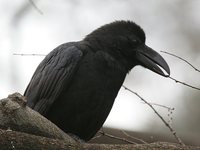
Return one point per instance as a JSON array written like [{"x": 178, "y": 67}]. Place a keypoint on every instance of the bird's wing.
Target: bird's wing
[{"x": 52, "y": 75}]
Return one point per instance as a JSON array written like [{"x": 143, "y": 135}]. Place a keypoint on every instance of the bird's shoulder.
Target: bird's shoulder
[
  {"x": 99, "y": 56},
  {"x": 64, "y": 53}
]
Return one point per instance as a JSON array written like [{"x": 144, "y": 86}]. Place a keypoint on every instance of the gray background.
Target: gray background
[{"x": 172, "y": 26}]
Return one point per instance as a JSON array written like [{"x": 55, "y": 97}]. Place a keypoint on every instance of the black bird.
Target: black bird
[{"x": 76, "y": 83}]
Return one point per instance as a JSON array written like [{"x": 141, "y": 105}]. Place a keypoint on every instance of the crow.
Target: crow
[{"x": 76, "y": 84}]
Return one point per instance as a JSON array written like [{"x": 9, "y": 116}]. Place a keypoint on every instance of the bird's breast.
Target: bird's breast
[{"x": 83, "y": 106}]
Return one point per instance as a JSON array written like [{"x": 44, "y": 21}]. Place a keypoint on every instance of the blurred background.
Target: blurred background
[{"x": 172, "y": 26}]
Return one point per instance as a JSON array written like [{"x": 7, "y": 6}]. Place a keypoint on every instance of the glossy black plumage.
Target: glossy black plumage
[{"x": 76, "y": 84}]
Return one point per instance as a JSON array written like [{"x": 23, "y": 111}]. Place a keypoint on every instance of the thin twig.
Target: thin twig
[
  {"x": 116, "y": 137},
  {"x": 29, "y": 54},
  {"x": 177, "y": 81},
  {"x": 134, "y": 138},
  {"x": 167, "y": 107},
  {"x": 182, "y": 60},
  {"x": 163, "y": 120},
  {"x": 35, "y": 6},
  {"x": 97, "y": 136}
]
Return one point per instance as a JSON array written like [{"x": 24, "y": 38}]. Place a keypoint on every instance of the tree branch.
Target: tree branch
[
  {"x": 182, "y": 60},
  {"x": 24, "y": 129},
  {"x": 163, "y": 120},
  {"x": 183, "y": 83},
  {"x": 35, "y": 6},
  {"x": 23, "y": 141}
]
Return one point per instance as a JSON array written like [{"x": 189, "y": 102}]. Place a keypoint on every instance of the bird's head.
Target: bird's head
[{"x": 125, "y": 41}]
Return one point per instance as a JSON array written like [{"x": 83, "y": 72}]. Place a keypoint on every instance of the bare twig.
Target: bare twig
[
  {"x": 170, "y": 116},
  {"x": 103, "y": 133},
  {"x": 115, "y": 137},
  {"x": 177, "y": 81},
  {"x": 35, "y": 6},
  {"x": 167, "y": 107},
  {"x": 163, "y": 120},
  {"x": 29, "y": 54},
  {"x": 134, "y": 138},
  {"x": 182, "y": 60},
  {"x": 97, "y": 136}
]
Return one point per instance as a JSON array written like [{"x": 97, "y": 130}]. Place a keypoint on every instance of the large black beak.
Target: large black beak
[{"x": 150, "y": 59}]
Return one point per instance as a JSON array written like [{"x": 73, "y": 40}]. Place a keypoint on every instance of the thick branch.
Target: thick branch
[
  {"x": 23, "y": 141},
  {"x": 24, "y": 129},
  {"x": 15, "y": 115},
  {"x": 19, "y": 140}
]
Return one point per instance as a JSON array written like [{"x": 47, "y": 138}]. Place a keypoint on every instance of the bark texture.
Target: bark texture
[{"x": 24, "y": 129}]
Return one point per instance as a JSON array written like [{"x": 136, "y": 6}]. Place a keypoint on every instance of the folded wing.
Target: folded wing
[{"x": 53, "y": 75}]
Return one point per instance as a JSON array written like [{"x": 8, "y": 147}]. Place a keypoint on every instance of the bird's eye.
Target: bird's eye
[{"x": 134, "y": 41}]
